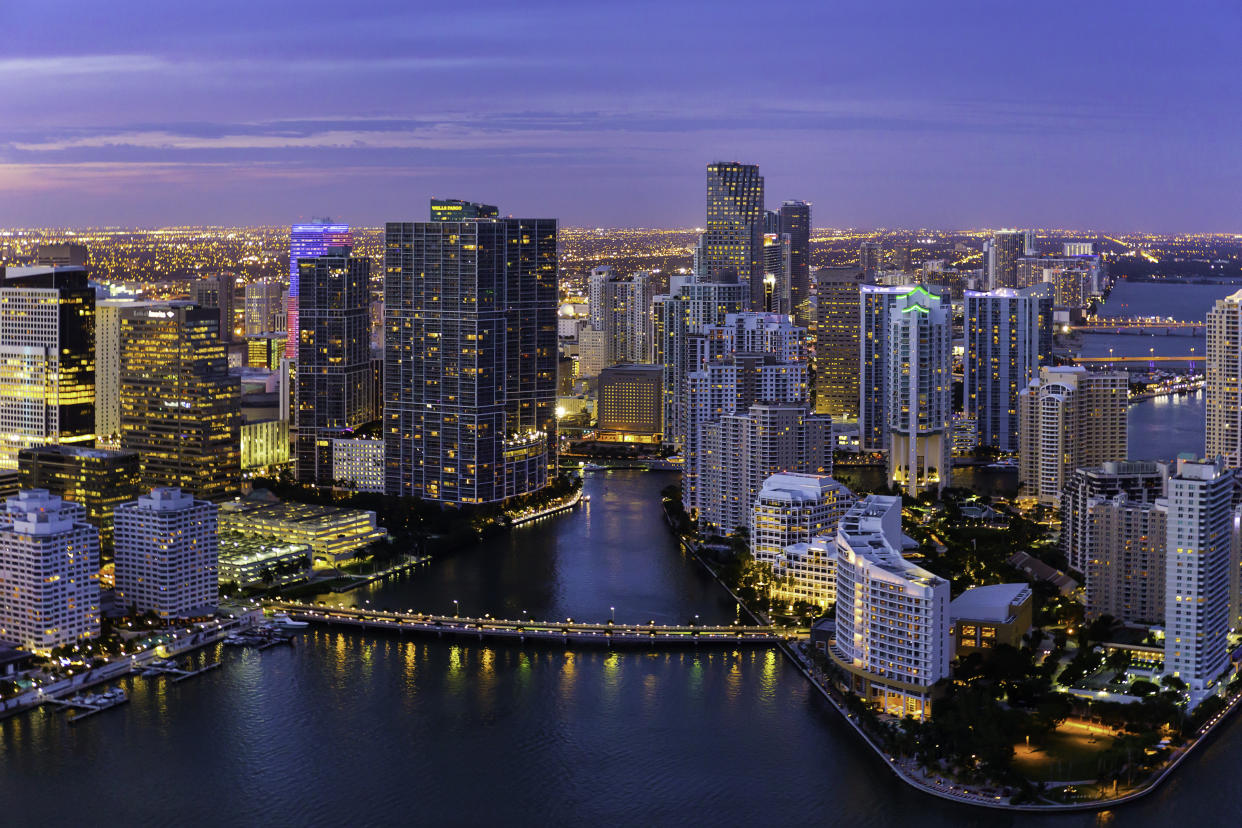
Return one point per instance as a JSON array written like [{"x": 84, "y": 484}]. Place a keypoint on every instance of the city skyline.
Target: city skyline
[{"x": 880, "y": 116}]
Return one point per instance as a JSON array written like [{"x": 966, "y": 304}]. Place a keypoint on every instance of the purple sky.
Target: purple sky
[{"x": 1093, "y": 114}]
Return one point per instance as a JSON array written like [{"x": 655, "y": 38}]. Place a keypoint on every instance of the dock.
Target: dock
[
  {"x": 90, "y": 704},
  {"x": 178, "y": 673},
  {"x": 568, "y": 632}
]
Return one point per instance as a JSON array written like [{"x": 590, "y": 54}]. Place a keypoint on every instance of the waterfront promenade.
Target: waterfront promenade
[{"x": 606, "y": 634}]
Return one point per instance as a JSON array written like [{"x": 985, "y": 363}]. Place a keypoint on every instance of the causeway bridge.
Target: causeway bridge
[{"x": 568, "y": 632}]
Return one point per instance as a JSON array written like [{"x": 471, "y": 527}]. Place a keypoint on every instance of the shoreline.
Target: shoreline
[{"x": 979, "y": 800}]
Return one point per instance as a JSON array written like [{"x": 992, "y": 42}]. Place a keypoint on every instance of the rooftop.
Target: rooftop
[{"x": 989, "y": 603}]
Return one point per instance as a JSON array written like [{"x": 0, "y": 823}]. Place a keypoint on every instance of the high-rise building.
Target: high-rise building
[
  {"x": 920, "y": 393},
  {"x": 870, "y": 257},
  {"x": 49, "y": 573},
  {"x": 470, "y": 358},
  {"x": 167, "y": 551},
  {"x": 879, "y": 305},
  {"x": 1069, "y": 418},
  {"x": 97, "y": 479},
  {"x": 693, "y": 304},
  {"x": 733, "y": 243},
  {"x": 795, "y": 508},
  {"x": 265, "y": 311},
  {"x": 1223, "y": 387},
  {"x": 629, "y": 403},
  {"x": 306, "y": 241},
  {"x": 180, "y": 407},
  {"x": 620, "y": 308},
  {"x": 892, "y": 636},
  {"x": 108, "y": 369},
  {"x": 1002, "y": 355},
  {"x": 740, "y": 451},
  {"x": 1197, "y": 576},
  {"x": 837, "y": 292},
  {"x": 64, "y": 254},
  {"x": 334, "y": 357},
  {"x": 47, "y": 359},
  {"x": 777, "y": 292},
  {"x": 1127, "y": 546},
  {"x": 749, "y": 358},
  {"x": 1141, "y": 483},
  {"x": 796, "y": 223},
  {"x": 1000, "y": 258},
  {"x": 218, "y": 292},
  {"x": 454, "y": 209}
]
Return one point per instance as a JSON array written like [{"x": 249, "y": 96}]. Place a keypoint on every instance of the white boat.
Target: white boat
[
  {"x": 282, "y": 619},
  {"x": 592, "y": 467}
]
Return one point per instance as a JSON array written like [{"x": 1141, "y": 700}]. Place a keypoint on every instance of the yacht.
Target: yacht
[{"x": 282, "y": 619}]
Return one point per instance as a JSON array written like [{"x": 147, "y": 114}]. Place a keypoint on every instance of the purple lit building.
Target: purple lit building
[{"x": 308, "y": 241}]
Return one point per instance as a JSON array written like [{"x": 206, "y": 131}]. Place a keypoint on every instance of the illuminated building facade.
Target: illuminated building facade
[
  {"x": 108, "y": 369},
  {"x": 629, "y": 407},
  {"x": 180, "y": 408},
  {"x": 838, "y": 291},
  {"x": 264, "y": 310},
  {"x": 893, "y": 639},
  {"x": 1000, "y": 258},
  {"x": 920, "y": 389},
  {"x": 167, "y": 554},
  {"x": 47, "y": 359},
  {"x": 49, "y": 572},
  {"x": 620, "y": 308},
  {"x": 358, "y": 464},
  {"x": 219, "y": 292},
  {"x": 733, "y": 243},
  {"x": 334, "y": 380},
  {"x": 97, "y": 479},
  {"x": 1002, "y": 355},
  {"x": 1223, "y": 387},
  {"x": 470, "y": 358},
  {"x": 1069, "y": 418},
  {"x": 454, "y": 209},
  {"x": 306, "y": 241}
]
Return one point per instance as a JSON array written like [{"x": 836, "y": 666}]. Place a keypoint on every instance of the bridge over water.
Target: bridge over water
[{"x": 606, "y": 634}]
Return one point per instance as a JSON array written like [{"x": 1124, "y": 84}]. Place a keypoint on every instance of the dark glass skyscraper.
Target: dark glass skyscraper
[
  {"x": 47, "y": 358},
  {"x": 334, "y": 378},
  {"x": 470, "y": 358},
  {"x": 305, "y": 241},
  {"x": 180, "y": 407},
  {"x": 796, "y": 223},
  {"x": 454, "y": 209},
  {"x": 733, "y": 243}
]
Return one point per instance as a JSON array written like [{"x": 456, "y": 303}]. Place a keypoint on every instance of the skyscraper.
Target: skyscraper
[
  {"x": 878, "y": 306},
  {"x": 180, "y": 407},
  {"x": 1000, "y": 258},
  {"x": 837, "y": 292},
  {"x": 777, "y": 291},
  {"x": 265, "y": 308},
  {"x": 167, "y": 549},
  {"x": 620, "y": 308},
  {"x": 454, "y": 209},
  {"x": 334, "y": 357},
  {"x": 1140, "y": 482},
  {"x": 920, "y": 392},
  {"x": 733, "y": 243},
  {"x": 49, "y": 572},
  {"x": 1223, "y": 397},
  {"x": 1002, "y": 355},
  {"x": 47, "y": 359},
  {"x": 693, "y": 304},
  {"x": 219, "y": 292},
  {"x": 1197, "y": 577},
  {"x": 796, "y": 223},
  {"x": 306, "y": 240},
  {"x": 1069, "y": 418},
  {"x": 108, "y": 369},
  {"x": 470, "y": 358}
]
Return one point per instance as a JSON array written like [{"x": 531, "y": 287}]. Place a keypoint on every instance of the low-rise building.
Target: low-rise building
[
  {"x": 358, "y": 464},
  {"x": 247, "y": 560},
  {"x": 334, "y": 533},
  {"x": 987, "y": 616}
]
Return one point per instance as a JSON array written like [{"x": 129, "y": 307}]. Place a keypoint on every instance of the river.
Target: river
[{"x": 371, "y": 729}]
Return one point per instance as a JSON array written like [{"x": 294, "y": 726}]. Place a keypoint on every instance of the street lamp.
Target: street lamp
[
  {"x": 612, "y": 613},
  {"x": 454, "y": 607}
]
